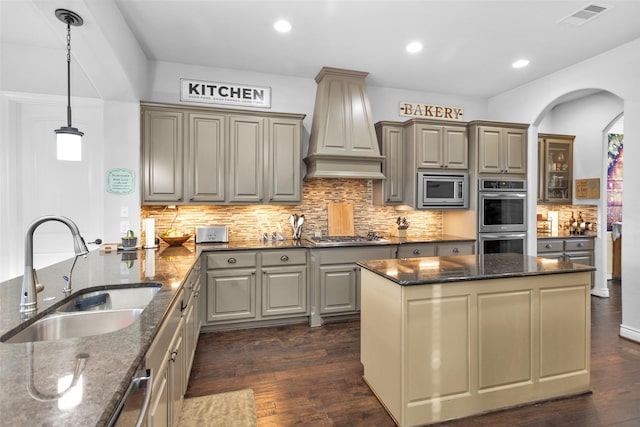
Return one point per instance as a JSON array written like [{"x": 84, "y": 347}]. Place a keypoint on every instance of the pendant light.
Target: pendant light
[{"x": 68, "y": 138}]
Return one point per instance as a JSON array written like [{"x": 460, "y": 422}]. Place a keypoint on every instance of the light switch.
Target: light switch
[
  {"x": 124, "y": 226},
  {"x": 124, "y": 211}
]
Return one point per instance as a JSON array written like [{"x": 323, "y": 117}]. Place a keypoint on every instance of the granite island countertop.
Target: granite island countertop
[
  {"x": 431, "y": 270},
  {"x": 113, "y": 357}
]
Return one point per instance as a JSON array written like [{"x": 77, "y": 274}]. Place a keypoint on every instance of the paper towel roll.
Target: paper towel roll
[
  {"x": 150, "y": 263},
  {"x": 150, "y": 233}
]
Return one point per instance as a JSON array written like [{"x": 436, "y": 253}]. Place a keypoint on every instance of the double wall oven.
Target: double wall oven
[{"x": 502, "y": 216}]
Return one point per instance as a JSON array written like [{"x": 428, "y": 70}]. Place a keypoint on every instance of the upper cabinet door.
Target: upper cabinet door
[
  {"x": 162, "y": 144},
  {"x": 205, "y": 159},
  {"x": 429, "y": 146},
  {"x": 455, "y": 148},
  {"x": 246, "y": 161},
  {"x": 489, "y": 150},
  {"x": 515, "y": 151},
  {"x": 283, "y": 160}
]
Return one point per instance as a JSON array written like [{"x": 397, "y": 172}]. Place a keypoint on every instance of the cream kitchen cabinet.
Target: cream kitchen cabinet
[
  {"x": 335, "y": 278},
  {"x": 284, "y": 283},
  {"x": 437, "y": 146},
  {"x": 391, "y": 141},
  {"x": 231, "y": 286},
  {"x": 217, "y": 156},
  {"x": 166, "y": 359},
  {"x": 501, "y": 148},
  {"x": 256, "y": 286},
  {"x": 415, "y": 250},
  {"x": 579, "y": 250}
]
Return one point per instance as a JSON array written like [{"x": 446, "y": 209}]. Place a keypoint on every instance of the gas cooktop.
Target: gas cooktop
[{"x": 369, "y": 239}]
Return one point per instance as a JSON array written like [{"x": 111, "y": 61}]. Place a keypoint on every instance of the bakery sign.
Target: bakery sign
[
  {"x": 429, "y": 111},
  {"x": 225, "y": 93}
]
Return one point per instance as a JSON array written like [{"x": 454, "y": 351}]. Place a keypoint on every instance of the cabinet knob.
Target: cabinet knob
[
  {"x": 284, "y": 258},
  {"x": 580, "y": 244},
  {"x": 232, "y": 260},
  {"x": 416, "y": 251},
  {"x": 455, "y": 250},
  {"x": 548, "y": 246}
]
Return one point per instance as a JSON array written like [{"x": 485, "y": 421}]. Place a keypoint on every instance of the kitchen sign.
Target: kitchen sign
[
  {"x": 225, "y": 93},
  {"x": 429, "y": 111}
]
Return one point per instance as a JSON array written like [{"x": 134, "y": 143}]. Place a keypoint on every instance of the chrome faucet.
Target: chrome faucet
[{"x": 30, "y": 287}]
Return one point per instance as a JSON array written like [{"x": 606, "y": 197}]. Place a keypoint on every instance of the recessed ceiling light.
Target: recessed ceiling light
[
  {"x": 282, "y": 26},
  {"x": 414, "y": 47},
  {"x": 520, "y": 63}
]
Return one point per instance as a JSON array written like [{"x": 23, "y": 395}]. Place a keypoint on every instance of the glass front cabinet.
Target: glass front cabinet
[{"x": 555, "y": 171}]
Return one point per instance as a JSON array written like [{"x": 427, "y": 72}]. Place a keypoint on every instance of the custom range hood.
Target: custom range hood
[{"x": 343, "y": 141}]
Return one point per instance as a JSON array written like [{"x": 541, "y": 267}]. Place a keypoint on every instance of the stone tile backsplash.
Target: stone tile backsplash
[{"x": 248, "y": 222}]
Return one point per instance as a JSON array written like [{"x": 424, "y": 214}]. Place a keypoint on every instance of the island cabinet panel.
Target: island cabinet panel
[
  {"x": 449, "y": 340},
  {"x": 504, "y": 339},
  {"x": 564, "y": 343},
  {"x": 438, "y": 351}
]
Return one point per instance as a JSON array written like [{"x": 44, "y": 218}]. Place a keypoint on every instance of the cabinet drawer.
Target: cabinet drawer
[
  {"x": 231, "y": 260},
  {"x": 417, "y": 250},
  {"x": 287, "y": 257},
  {"x": 445, "y": 249},
  {"x": 550, "y": 245},
  {"x": 578, "y": 245}
]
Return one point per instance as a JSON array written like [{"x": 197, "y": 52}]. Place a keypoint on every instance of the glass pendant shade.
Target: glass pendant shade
[{"x": 69, "y": 144}]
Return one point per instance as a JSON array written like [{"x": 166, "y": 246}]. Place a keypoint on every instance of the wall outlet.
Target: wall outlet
[
  {"x": 124, "y": 226},
  {"x": 124, "y": 211}
]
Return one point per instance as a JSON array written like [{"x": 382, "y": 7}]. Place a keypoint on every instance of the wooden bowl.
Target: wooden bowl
[{"x": 175, "y": 241}]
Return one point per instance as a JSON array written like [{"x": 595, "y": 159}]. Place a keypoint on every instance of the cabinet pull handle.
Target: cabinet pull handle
[
  {"x": 284, "y": 258},
  {"x": 548, "y": 246},
  {"x": 580, "y": 244},
  {"x": 416, "y": 251},
  {"x": 232, "y": 260},
  {"x": 174, "y": 353},
  {"x": 455, "y": 250},
  {"x": 182, "y": 306}
]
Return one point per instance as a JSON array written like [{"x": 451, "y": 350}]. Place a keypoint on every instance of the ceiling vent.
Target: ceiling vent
[{"x": 585, "y": 14}]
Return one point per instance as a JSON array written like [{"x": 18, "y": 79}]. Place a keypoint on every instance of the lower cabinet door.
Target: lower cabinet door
[
  {"x": 159, "y": 409},
  {"x": 338, "y": 288},
  {"x": 231, "y": 294},
  {"x": 284, "y": 291}
]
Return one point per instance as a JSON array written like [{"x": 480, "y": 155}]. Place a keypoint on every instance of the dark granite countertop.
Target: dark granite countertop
[
  {"x": 430, "y": 270},
  {"x": 113, "y": 357}
]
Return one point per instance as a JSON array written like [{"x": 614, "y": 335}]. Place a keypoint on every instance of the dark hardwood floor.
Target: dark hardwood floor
[{"x": 313, "y": 377}]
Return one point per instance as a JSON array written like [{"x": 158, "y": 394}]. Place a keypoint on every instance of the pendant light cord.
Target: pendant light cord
[{"x": 68, "y": 73}]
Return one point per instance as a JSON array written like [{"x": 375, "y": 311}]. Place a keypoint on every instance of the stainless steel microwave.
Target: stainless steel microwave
[{"x": 442, "y": 191}]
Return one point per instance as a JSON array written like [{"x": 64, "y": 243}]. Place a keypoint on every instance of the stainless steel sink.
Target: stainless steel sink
[
  {"x": 113, "y": 299},
  {"x": 90, "y": 313},
  {"x": 60, "y": 326}
]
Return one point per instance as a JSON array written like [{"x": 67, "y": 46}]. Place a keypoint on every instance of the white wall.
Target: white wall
[{"x": 614, "y": 71}]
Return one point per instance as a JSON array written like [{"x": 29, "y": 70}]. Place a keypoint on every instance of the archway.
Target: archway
[{"x": 588, "y": 114}]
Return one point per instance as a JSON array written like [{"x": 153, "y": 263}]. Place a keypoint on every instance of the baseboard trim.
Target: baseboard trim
[{"x": 630, "y": 333}]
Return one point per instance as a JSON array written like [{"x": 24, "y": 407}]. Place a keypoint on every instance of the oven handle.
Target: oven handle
[
  {"x": 504, "y": 195},
  {"x": 485, "y": 236}
]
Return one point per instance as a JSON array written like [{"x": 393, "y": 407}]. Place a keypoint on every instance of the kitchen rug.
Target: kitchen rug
[{"x": 235, "y": 408}]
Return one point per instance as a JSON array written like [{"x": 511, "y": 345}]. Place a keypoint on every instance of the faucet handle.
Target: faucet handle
[
  {"x": 67, "y": 284},
  {"x": 39, "y": 286}
]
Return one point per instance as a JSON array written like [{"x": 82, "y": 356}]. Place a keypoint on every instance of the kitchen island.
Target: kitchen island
[{"x": 449, "y": 337}]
